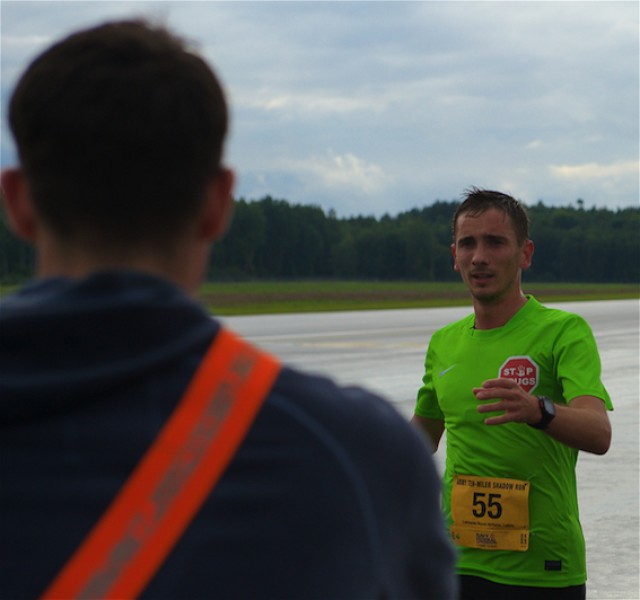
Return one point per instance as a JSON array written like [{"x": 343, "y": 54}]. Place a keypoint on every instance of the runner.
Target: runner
[{"x": 517, "y": 388}]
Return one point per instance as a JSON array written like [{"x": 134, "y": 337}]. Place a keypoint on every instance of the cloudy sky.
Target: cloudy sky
[{"x": 369, "y": 108}]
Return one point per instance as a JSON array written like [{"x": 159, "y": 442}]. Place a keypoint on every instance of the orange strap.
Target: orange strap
[{"x": 161, "y": 497}]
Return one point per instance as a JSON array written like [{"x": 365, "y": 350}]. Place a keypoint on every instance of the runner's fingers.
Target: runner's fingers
[
  {"x": 493, "y": 407},
  {"x": 499, "y": 420},
  {"x": 497, "y": 392}
]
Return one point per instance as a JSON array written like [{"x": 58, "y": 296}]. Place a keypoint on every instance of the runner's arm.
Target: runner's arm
[
  {"x": 582, "y": 424},
  {"x": 434, "y": 428}
]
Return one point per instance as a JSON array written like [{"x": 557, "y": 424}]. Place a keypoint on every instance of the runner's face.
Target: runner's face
[{"x": 488, "y": 257}]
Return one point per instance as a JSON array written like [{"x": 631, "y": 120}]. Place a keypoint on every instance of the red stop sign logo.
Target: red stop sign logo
[{"x": 522, "y": 370}]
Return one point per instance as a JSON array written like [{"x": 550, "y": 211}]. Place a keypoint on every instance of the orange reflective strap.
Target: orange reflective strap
[{"x": 166, "y": 489}]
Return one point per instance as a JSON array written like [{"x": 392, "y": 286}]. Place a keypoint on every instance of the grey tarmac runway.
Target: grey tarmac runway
[{"x": 384, "y": 351}]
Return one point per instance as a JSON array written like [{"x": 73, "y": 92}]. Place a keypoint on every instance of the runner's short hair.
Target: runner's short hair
[{"x": 476, "y": 201}]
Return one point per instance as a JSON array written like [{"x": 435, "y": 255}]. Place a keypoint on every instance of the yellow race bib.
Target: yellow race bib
[{"x": 490, "y": 513}]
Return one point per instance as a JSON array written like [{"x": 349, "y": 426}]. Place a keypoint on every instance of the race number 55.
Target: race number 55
[{"x": 486, "y": 504}]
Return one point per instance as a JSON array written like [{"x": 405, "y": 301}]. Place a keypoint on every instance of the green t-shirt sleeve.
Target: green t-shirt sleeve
[
  {"x": 427, "y": 403},
  {"x": 578, "y": 366}
]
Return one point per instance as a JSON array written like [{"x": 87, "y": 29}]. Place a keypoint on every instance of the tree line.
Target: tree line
[
  {"x": 274, "y": 239},
  {"x": 271, "y": 238}
]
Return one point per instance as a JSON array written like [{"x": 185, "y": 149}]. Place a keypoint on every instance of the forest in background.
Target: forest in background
[{"x": 273, "y": 239}]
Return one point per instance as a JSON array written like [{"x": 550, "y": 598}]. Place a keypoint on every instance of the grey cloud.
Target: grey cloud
[{"x": 432, "y": 96}]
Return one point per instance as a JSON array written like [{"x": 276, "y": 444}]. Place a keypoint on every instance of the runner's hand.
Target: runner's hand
[{"x": 517, "y": 405}]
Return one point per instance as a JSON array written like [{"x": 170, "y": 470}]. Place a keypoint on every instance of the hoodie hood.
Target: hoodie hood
[{"x": 62, "y": 339}]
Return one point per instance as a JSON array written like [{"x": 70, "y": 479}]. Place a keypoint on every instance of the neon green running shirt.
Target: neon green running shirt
[{"x": 551, "y": 353}]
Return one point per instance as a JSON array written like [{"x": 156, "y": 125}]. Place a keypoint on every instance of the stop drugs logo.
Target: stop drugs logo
[{"x": 523, "y": 370}]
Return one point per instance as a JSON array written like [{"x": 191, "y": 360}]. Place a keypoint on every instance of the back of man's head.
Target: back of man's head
[{"x": 119, "y": 128}]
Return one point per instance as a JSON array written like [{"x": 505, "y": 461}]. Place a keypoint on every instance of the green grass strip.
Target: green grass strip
[{"x": 276, "y": 297}]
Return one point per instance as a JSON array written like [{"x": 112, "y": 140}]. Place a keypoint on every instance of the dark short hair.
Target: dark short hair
[
  {"x": 118, "y": 130},
  {"x": 476, "y": 201}
]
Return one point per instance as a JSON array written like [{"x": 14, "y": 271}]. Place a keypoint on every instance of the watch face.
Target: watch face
[
  {"x": 548, "y": 410},
  {"x": 550, "y": 407}
]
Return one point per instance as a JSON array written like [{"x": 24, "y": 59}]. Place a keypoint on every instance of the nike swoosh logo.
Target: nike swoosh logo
[{"x": 447, "y": 370}]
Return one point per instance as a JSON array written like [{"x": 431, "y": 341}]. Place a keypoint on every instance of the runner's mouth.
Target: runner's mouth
[{"x": 481, "y": 277}]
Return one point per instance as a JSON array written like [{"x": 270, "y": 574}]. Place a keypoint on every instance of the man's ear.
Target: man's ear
[
  {"x": 455, "y": 258},
  {"x": 17, "y": 204},
  {"x": 527, "y": 255},
  {"x": 218, "y": 208}
]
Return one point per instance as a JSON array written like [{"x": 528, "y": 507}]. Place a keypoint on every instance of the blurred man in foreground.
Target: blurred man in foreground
[{"x": 122, "y": 190}]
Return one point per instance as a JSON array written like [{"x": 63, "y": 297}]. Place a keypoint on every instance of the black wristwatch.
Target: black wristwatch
[{"x": 548, "y": 410}]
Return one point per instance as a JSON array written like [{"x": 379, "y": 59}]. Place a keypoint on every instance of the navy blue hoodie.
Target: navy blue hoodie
[{"x": 332, "y": 494}]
